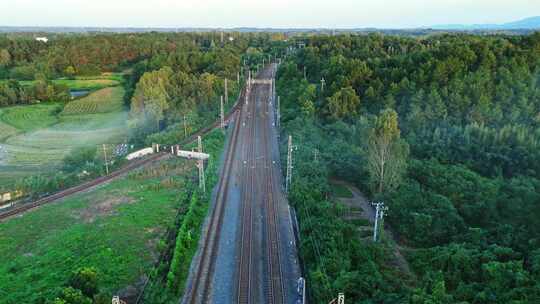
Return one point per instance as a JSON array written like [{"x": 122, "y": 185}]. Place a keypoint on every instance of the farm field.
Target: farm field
[
  {"x": 114, "y": 229},
  {"x": 35, "y": 138},
  {"x": 29, "y": 118},
  {"x": 102, "y": 101},
  {"x": 87, "y": 83}
]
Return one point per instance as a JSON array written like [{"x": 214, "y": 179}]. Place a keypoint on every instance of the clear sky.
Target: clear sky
[{"x": 256, "y": 13}]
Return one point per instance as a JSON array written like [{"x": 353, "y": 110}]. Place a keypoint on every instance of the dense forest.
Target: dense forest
[{"x": 445, "y": 130}]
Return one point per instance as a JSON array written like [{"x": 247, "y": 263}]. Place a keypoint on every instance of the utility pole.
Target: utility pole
[
  {"x": 105, "y": 157},
  {"x": 288, "y": 179},
  {"x": 201, "y": 167},
  {"x": 238, "y": 77},
  {"x": 305, "y": 73},
  {"x": 222, "y": 115},
  {"x": 341, "y": 298},
  {"x": 379, "y": 214},
  {"x": 278, "y": 114},
  {"x": 323, "y": 82},
  {"x": 271, "y": 88},
  {"x": 185, "y": 126},
  {"x": 226, "y": 92},
  {"x": 316, "y": 155},
  {"x": 274, "y": 88}
]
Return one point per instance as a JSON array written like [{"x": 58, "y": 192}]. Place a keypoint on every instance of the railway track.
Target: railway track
[
  {"x": 244, "y": 291},
  {"x": 262, "y": 175},
  {"x": 257, "y": 249},
  {"x": 130, "y": 167},
  {"x": 199, "y": 291},
  {"x": 275, "y": 289},
  {"x": 82, "y": 187}
]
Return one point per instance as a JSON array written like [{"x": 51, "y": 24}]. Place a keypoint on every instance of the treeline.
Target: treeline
[
  {"x": 65, "y": 55},
  {"x": 177, "y": 92},
  {"x": 13, "y": 93},
  {"x": 457, "y": 120}
]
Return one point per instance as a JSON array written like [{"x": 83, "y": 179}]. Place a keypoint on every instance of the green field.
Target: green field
[
  {"x": 35, "y": 138},
  {"x": 28, "y": 118},
  {"x": 102, "y": 101},
  {"x": 114, "y": 229},
  {"x": 86, "y": 83},
  {"x": 5, "y": 129}
]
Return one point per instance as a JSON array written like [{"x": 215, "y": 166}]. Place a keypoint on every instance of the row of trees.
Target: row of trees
[
  {"x": 21, "y": 57},
  {"x": 13, "y": 93}
]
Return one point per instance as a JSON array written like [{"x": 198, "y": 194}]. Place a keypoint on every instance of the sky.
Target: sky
[{"x": 256, "y": 13}]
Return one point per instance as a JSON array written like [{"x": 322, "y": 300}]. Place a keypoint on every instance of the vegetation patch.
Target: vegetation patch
[
  {"x": 43, "y": 247},
  {"x": 169, "y": 277},
  {"x": 340, "y": 190},
  {"x": 29, "y": 118},
  {"x": 102, "y": 101},
  {"x": 81, "y": 83}
]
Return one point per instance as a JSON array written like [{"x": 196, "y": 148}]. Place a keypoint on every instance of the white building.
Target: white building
[{"x": 42, "y": 39}]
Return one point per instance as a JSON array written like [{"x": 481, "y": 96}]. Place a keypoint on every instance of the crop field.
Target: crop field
[
  {"x": 6, "y": 130},
  {"x": 114, "y": 229},
  {"x": 34, "y": 139},
  {"x": 28, "y": 118},
  {"x": 102, "y": 101}
]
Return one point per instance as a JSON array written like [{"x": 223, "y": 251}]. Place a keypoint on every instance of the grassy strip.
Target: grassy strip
[
  {"x": 84, "y": 83},
  {"x": 169, "y": 278}
]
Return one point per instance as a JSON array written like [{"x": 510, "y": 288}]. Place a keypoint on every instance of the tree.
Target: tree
[
  {"x": 86, "y": 280},
  {"x": 5, "y": 57},
  {"x": 70, "y": 71},
  {"x": 70, "y": 295},
  {"x": 80, "y": 158},
  {"x": 151, "y": 98},
  {"x": 306, "y": 100},
  {"x": 343, "y": 104},
  {"x": 387, "y": 153}
]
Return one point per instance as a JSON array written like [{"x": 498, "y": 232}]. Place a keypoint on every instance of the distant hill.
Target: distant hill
[{"x": 527, "y": 23}]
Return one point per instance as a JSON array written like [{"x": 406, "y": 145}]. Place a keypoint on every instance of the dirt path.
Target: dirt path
[{"x": 360, "y": 202}]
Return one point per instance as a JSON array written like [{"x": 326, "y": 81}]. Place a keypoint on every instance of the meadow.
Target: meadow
[
  {"x": 115, "y": 229},
  {"x": 35, "y": 138}
]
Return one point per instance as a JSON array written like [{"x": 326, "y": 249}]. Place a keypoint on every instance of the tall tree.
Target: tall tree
[
  {"x": 343, "y": 104},
  {"x": 151, "y": 98},
  {"x": 5, "y": 57},
  {"x": 387, "y": 152}
]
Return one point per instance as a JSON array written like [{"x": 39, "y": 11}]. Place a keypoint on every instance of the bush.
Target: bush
[
  {"x": 83, "y": 158},
  {"x": 86, "y": 280}
]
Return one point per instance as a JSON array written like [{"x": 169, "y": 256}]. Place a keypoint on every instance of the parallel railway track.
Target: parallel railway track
[
  {"x": 199, "y": 291},
  {"x": 262, "y": 174},
  {"x": 244, "y": 291},
  {"x": 275, "y": 289}
]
